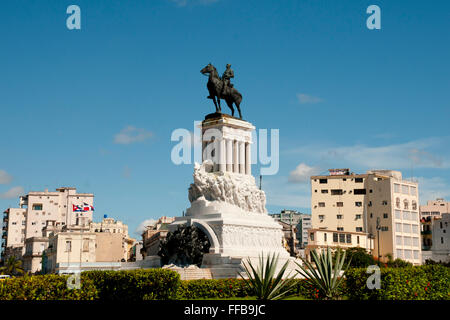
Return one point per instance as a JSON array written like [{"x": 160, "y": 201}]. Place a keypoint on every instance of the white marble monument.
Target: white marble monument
[{"x": 226, "y": 203}]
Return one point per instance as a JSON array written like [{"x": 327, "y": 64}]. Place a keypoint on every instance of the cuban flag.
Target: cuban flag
[
  {"x": 87, "y": 207},
  {"x": 76, "y": 208}
]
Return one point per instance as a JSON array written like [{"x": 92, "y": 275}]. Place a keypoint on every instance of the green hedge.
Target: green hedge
[
  {"x": 213, "y": 288},
  {"x": 410, "y": 283},
  {"x": 45, "y": 287},
  {"x": 143, "y": 284},
  {"x": 429, "y": 282}
]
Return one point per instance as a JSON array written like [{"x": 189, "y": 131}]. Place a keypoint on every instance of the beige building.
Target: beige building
[
  {"x": 320, "y": 239},
  {"x": 378, "y": 206},
  {"x": 435, "y": 208},
  {"x": 87, "y": 245},
  {"x": 36, "y": 208},
  {"x": 153, "y": 235}
]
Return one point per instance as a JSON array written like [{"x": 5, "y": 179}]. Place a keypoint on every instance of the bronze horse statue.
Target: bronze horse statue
[{"x": 215, "y": 85}]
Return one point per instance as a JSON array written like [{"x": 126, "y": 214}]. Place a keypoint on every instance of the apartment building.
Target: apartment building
[
  {"x": 64, "y": 206},
  {"x": 301, "y": 221},
  {"x": 441, "y": 239},
  {"x": 434, "y": 208},
  {"x": 379, "y": 207}
]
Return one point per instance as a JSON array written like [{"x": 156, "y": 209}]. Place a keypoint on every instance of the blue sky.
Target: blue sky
[{"x": 340, "y": 94}]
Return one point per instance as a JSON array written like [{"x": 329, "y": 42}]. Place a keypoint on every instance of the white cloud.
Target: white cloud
[
  {"x": 304, "y": 98},
  {"x": 145, "y": 223},
  {"x": 433, "y": 188},
  {"x": 394, "y": 156},
  {"x": 132, "y": 134},
  {"x": 12, "y": 193},
  {"x": 302, "y": 173},
  {"x": 5, "y": 178},
  {"x": 281, "y": 193}
]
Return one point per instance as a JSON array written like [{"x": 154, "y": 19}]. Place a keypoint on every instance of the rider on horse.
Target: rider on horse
[{"x": 227, "y": 75}]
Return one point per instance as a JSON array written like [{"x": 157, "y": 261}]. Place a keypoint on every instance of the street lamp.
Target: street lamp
[{"x": 378, "y": 239}]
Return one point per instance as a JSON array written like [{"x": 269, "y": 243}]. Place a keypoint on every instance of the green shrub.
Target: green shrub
[
  {"x": 213, "y": 288},
  {"x": 45, "y": 287},
  {"x": 429, "y": 282},
  {"x": 135, "y": 285}
]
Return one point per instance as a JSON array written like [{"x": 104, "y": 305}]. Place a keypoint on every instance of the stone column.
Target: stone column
[
  {"x": 248, "y": 159},
  {"x": 242, "y": 157},
  {"x": 222, "y": 156},
  {"x": 235, "y": 157},
  {"x": 229, "y": 156}
]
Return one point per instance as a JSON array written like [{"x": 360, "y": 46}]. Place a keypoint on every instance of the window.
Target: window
[
  {"x": 442, "y": 240},
  {"x": 311, "y": 236},
  {"x": 399, "y": 253},
  {"x": 85, "y": 245},
  {"x": 349, "y": 238},
  {"x": 385, "y": 215},
  {"x": 321, "y": 204},
  {"x": 415, "y": 228},
  {"x": 416, "y": 254},
  {"x": 398, "y": 240},
  {"x": 37, "y": 206},
  {"x": 324, "y": 191},
  {"x": 359, "y": 191},
  {"x": 359, "y": 229},
  {"x": 359, "y": 180},
  {"x": 406, "y": 228},
  {"x": 325, "y": 237},
  {"x": 405, "y": 189},
  {"x": 336, "y": 192},
  {"x": 371, "y": 215},
  {"x": 335, "y": 237},
  {"x": 396, "y": 187},
  {"x": 358, "y": 204},
  {"x": 323, "y": 181},
  {"x": 397, "y": 203},
  {"x": 398, "y": 214},
  {"x": 68, "y": 246},
  {"x": 414, "y": 205},
  {"x": 415, "y": 242},
  {"x": 358, "y": 216},
  {"x": 321, "y": 216},
  {"x": 339, "y": 216},
  {"x": 384, "y": 203},
  {"x": 406, "y": 215},
  {"x": 357, "y": 239},
  {"x": 384, "y": 228},
  {"x": 370, "y": 204},
  {"x": 340, "y": 228},
  {"x": 407, "y": 241},
  {"x": 342, "y": 237},
  {"x": 339, "y": 204},
  {"x": 405, "y": 204}
]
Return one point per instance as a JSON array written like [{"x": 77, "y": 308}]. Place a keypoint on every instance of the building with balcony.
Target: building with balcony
[
  {"x": 36, "y": 208},
  {"x": 378, "y": 205}
]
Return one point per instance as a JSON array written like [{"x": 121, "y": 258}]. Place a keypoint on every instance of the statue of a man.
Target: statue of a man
[{"x": 227, "y": 75}]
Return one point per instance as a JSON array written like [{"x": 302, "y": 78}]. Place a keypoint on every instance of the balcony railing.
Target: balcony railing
[{"x": 425, "y": 232}]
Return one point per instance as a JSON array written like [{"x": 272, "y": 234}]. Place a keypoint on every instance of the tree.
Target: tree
[
  {"x": 357, "y": 257},
  {"x": 12, "y": 267},
  {"x": 184, "y": 246},
  {"x": 326, "y": 276},
  {"x": 263, "y": 281}
]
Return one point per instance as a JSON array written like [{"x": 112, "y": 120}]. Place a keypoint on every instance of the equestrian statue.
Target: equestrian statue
[{"x": 222, "y": 88}]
